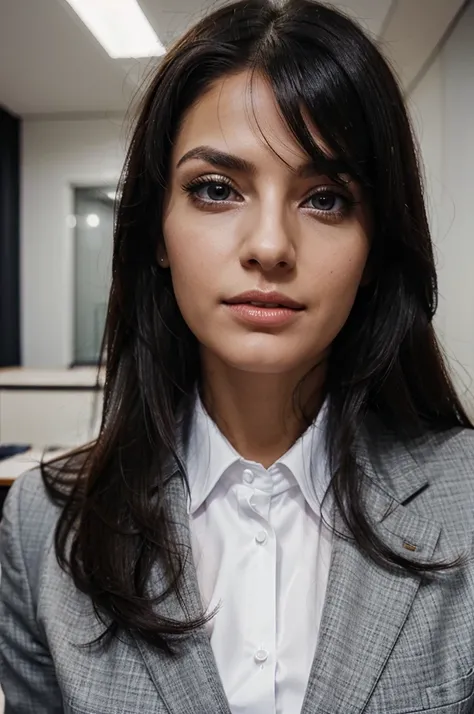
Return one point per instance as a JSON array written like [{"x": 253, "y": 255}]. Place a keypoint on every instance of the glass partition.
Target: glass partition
[{"x": 93, "y": 243}]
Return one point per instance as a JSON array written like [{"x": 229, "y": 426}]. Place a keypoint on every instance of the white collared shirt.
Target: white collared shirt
[{"x": 262, "y": 550}]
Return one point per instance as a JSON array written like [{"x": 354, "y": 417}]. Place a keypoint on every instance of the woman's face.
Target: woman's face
[{"x": 238, "y": 219}]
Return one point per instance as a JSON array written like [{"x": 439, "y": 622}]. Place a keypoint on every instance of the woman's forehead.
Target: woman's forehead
[{"x": 239, "y": 115}]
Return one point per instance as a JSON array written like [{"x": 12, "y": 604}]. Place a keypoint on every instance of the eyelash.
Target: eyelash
[{"x": 192, "y": 187}]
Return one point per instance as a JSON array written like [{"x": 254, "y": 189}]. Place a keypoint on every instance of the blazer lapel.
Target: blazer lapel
[
  {"x": 188, "y": 683},
  {"x": 366, "y": 607}
]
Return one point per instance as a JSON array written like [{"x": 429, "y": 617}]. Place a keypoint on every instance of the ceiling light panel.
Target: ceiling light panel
[{"x": 120, "y": 26}]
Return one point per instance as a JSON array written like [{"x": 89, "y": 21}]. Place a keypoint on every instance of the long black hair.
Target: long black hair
[{"x": 385, "y": 362}]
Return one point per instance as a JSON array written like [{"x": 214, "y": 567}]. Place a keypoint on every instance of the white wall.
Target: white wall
[
  {"x": 55, "y": 156},
  {"x": 457, "y": 247},
  {"x": 426, "y": 107},
  {"x": 442, "y": 107}
]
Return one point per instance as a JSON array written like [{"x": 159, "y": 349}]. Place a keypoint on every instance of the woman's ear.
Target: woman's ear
[{"x": 162, "y": 257}]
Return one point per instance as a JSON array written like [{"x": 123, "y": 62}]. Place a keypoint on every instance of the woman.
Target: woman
[{"x": 269, "y": 342}]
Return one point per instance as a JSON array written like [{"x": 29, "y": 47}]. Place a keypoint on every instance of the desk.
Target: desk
[
  {"x": 48, "y": 406},
  {"x": 42, "y": 378}
]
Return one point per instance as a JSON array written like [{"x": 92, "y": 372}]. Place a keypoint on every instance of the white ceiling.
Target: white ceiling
[{"x": 51, "y": 64}]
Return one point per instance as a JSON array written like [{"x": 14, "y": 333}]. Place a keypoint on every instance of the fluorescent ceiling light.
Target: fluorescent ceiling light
[{"x": 120, "y": 26}]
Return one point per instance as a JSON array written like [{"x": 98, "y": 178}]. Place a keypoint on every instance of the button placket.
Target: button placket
[
  {"x": 260, "y": 502},
  {"x": 255, "y": 497},
  {"x": 265, "y": 602},
  {"x": 248, "y": 476},
  {"x": 261, "y": 656}
]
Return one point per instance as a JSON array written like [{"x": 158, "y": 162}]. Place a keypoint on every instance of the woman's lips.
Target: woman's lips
[
  {"x": 262, "y": 314},
  {"x": 265, "y": 298}
]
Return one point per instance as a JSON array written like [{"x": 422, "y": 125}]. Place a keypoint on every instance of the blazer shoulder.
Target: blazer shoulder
[
  {"x": 28, "y": 523},
  {"x": 29, "y": 498},
  {"x": 30, "y": 515},
  {"x": 448, "y": 460},
  {"x": 445, "y": 457},
  {"x": 453, "y": 447}
]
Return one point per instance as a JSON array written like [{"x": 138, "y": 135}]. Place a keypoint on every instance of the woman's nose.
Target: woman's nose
[{"x": 270, "y": 243}]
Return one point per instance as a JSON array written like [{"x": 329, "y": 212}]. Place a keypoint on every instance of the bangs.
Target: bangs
[{"x": 321, "y": 109}]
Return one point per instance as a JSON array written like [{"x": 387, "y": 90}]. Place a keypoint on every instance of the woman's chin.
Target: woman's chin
[
  {"x": 261, "y": 361},
  {"x": 259, "y": 353}
]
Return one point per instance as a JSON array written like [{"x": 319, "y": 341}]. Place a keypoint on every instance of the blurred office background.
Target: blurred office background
[
  {"x": 66, "y": 84},
  {"x": 68, "y": 76},
  {"x": 64, "y": 95}
]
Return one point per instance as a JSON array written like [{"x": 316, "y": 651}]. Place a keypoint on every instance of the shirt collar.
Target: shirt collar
[
  {"x": 307, "y": 462},
  {"x": 209, "y": 455}
]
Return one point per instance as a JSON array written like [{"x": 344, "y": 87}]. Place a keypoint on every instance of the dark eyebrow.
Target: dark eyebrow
[
  {"x": 219, "y": 159},
  {"x": 323, "y": 166}
]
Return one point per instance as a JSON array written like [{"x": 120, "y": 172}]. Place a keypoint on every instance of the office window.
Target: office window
[{"x": 93, "y": 245}]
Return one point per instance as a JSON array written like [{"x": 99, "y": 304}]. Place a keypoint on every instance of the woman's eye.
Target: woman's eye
[
  {"x": 327, "y": 201},
  {"x": 213, "y": 191}
]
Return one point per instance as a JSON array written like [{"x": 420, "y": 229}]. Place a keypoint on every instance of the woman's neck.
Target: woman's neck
[{"x": 256, "y": 412}]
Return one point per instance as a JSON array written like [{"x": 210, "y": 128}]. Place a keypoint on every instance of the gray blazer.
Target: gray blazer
[{"x": 388, "y": 644}]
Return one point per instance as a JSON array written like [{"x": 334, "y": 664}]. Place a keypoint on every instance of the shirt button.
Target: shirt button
[
  {"x": 261, "y": 537},
  {"x": 261, "y": 656},
  {"x": 248, "y": 476}
]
